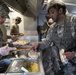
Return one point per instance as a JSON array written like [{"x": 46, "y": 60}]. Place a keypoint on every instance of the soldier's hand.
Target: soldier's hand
[
  {"x": 34, "y": 47},
  {"x": 69, "y": 55},
  {"x": 5, "y": 50}
]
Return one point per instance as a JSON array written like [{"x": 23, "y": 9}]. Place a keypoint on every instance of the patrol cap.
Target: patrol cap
[
  {"x": 4, "y": 10},
  {"x": 55, "y": 3}
]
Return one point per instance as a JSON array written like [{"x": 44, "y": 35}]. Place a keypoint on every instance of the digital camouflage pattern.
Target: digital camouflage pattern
[
  {"x": 4, "y": 10},
  {"x": 59, "y": 37},
  {"x": 15, "y": 29},
  {"x": 1, "y": 40}
]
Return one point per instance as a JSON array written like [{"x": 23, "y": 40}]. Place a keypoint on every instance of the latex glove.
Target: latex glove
[
  {"x": 69, "y": 55},
  {"x": 6, "y": 49},
  {"x": 34, "y": 47}
]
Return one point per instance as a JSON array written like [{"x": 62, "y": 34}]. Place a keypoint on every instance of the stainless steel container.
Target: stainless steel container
[{"x": 17, "y": 64}]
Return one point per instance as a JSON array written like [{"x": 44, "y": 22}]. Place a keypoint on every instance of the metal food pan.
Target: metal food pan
[{"x": 15, "y": 66}]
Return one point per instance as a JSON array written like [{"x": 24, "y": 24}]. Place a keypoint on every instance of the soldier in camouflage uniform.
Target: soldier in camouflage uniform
[
  {"x": 59, "y": 37},
  {"x": 4, "y": 11},
  {"x": 15, "y": 27},
  {"x": 3, "y": 14},
  {"x": 3, "y": 38}
]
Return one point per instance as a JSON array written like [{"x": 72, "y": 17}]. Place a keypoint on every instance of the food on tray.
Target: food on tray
[
  {"x": 21, "y": 42},
  {"x": 22, "y": 56},
  {"x": 33, "y": 54},
  {"x": 32, "y": 67}
]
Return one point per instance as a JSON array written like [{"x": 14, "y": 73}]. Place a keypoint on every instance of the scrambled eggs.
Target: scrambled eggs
[{"x": 32, "y": 67}]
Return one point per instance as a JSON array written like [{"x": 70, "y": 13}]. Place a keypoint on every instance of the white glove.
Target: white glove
[{"x": 6, "y": 49}]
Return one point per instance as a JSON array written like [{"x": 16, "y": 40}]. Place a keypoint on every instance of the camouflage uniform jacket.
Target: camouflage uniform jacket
[
  {"x": 1, "y": 40},
  {"x": 59, "y": 36},
  {"x": 14, "y": 29},
  {"x": 4, "y": 32}
]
